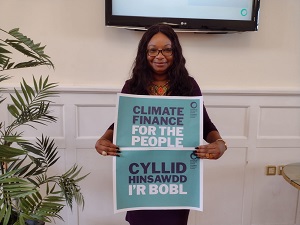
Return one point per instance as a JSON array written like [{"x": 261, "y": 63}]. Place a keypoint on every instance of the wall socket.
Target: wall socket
[
  {"x": 280, "y": 167},
  {"x": 270, "y": 170}
]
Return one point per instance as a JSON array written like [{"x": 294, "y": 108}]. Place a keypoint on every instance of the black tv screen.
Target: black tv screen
[{"x": 208, "y": 16}]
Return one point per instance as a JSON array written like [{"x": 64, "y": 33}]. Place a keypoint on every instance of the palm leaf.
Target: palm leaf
[
  {"x": 32, "y": 105},
  {"x": 42, "y": 208},
  {"x": 7, "y": 215},
  {"x": 29, "y": 147},
  {"x": 17, "y": 101},
  {"x": 13, "y": 138},
  {"x": 3, "y": 50},
  {"x": 24, "y": 168},
  {"x": 16, "y": 165},
  {"x": 69, "y": 185},
  {"x": 7, "y": 153},
  {"x": 26, "y": 46},
  {"x": 43, "y": 154},
  {"x": 1, "y": 100},
  {"x": 2, "y": 78},
  {"x": 12, "y": 187},
  {"x": 3, "y": 208},
  {"x": 15, "y": 187},
  {"x": 13, "y": 111},
  {"x": 4, "y": 59},
  {"x": 47, "y": 152}
]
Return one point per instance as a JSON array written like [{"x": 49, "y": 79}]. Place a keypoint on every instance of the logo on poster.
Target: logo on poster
[{"x": 193, "y": 110}]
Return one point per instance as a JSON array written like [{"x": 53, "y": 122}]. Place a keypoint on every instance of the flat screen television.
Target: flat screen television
[{"x": 204, "y": 16}]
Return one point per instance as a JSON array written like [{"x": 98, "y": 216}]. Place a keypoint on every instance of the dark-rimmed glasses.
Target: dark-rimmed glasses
[{"x": 154, "y": 52}]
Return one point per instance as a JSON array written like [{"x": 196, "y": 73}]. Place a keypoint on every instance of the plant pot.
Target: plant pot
[{"x": 33, "y": 222}]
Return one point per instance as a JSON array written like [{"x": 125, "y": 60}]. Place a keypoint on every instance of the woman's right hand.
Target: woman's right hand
[{"x": 104, "y": 145}]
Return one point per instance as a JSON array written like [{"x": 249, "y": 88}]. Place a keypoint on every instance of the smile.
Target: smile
[{"x": 160, "y": 63}]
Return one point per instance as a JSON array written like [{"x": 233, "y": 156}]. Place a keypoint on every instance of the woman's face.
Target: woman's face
[{"x": 159, "y": 54}]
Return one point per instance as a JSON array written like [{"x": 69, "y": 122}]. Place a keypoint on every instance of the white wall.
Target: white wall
[
  {"x": 84, "y": 51},
  {"x": 260, "y": 129}
]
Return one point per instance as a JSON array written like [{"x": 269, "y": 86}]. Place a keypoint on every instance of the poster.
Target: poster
[{"x": 157, "y": 168}]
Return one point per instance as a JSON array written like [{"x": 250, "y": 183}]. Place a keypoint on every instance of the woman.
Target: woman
[{"x": 159, "y": 69}]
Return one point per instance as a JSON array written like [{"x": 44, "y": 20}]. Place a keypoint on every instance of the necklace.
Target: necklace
[{"x": 158, "y": 89}]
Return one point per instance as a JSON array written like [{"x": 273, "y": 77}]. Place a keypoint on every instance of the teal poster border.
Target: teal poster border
[{"x": 157, "y": 168}]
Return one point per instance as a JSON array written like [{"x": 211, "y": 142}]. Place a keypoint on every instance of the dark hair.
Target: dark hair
[{"x": 180, "y": 84}]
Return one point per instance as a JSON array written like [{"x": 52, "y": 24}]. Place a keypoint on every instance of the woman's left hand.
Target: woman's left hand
[{"x": 213, "y": 150}]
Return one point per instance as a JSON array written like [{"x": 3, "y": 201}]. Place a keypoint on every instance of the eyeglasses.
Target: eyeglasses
[{"x": 165, "y": 52}]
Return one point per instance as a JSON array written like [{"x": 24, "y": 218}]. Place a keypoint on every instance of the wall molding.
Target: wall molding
[{"x": 228, "y": 92}]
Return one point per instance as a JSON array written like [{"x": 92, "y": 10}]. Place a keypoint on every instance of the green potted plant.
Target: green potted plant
[{"x": 28, "y": 194}]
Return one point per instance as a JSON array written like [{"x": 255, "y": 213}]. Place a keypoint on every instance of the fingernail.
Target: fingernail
[
  {"x": 195, "y": 151},
  {"x": 118, "y": 151},
  {"x": 196, "y": 147},
  {"x": 117, "y": 148}
]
